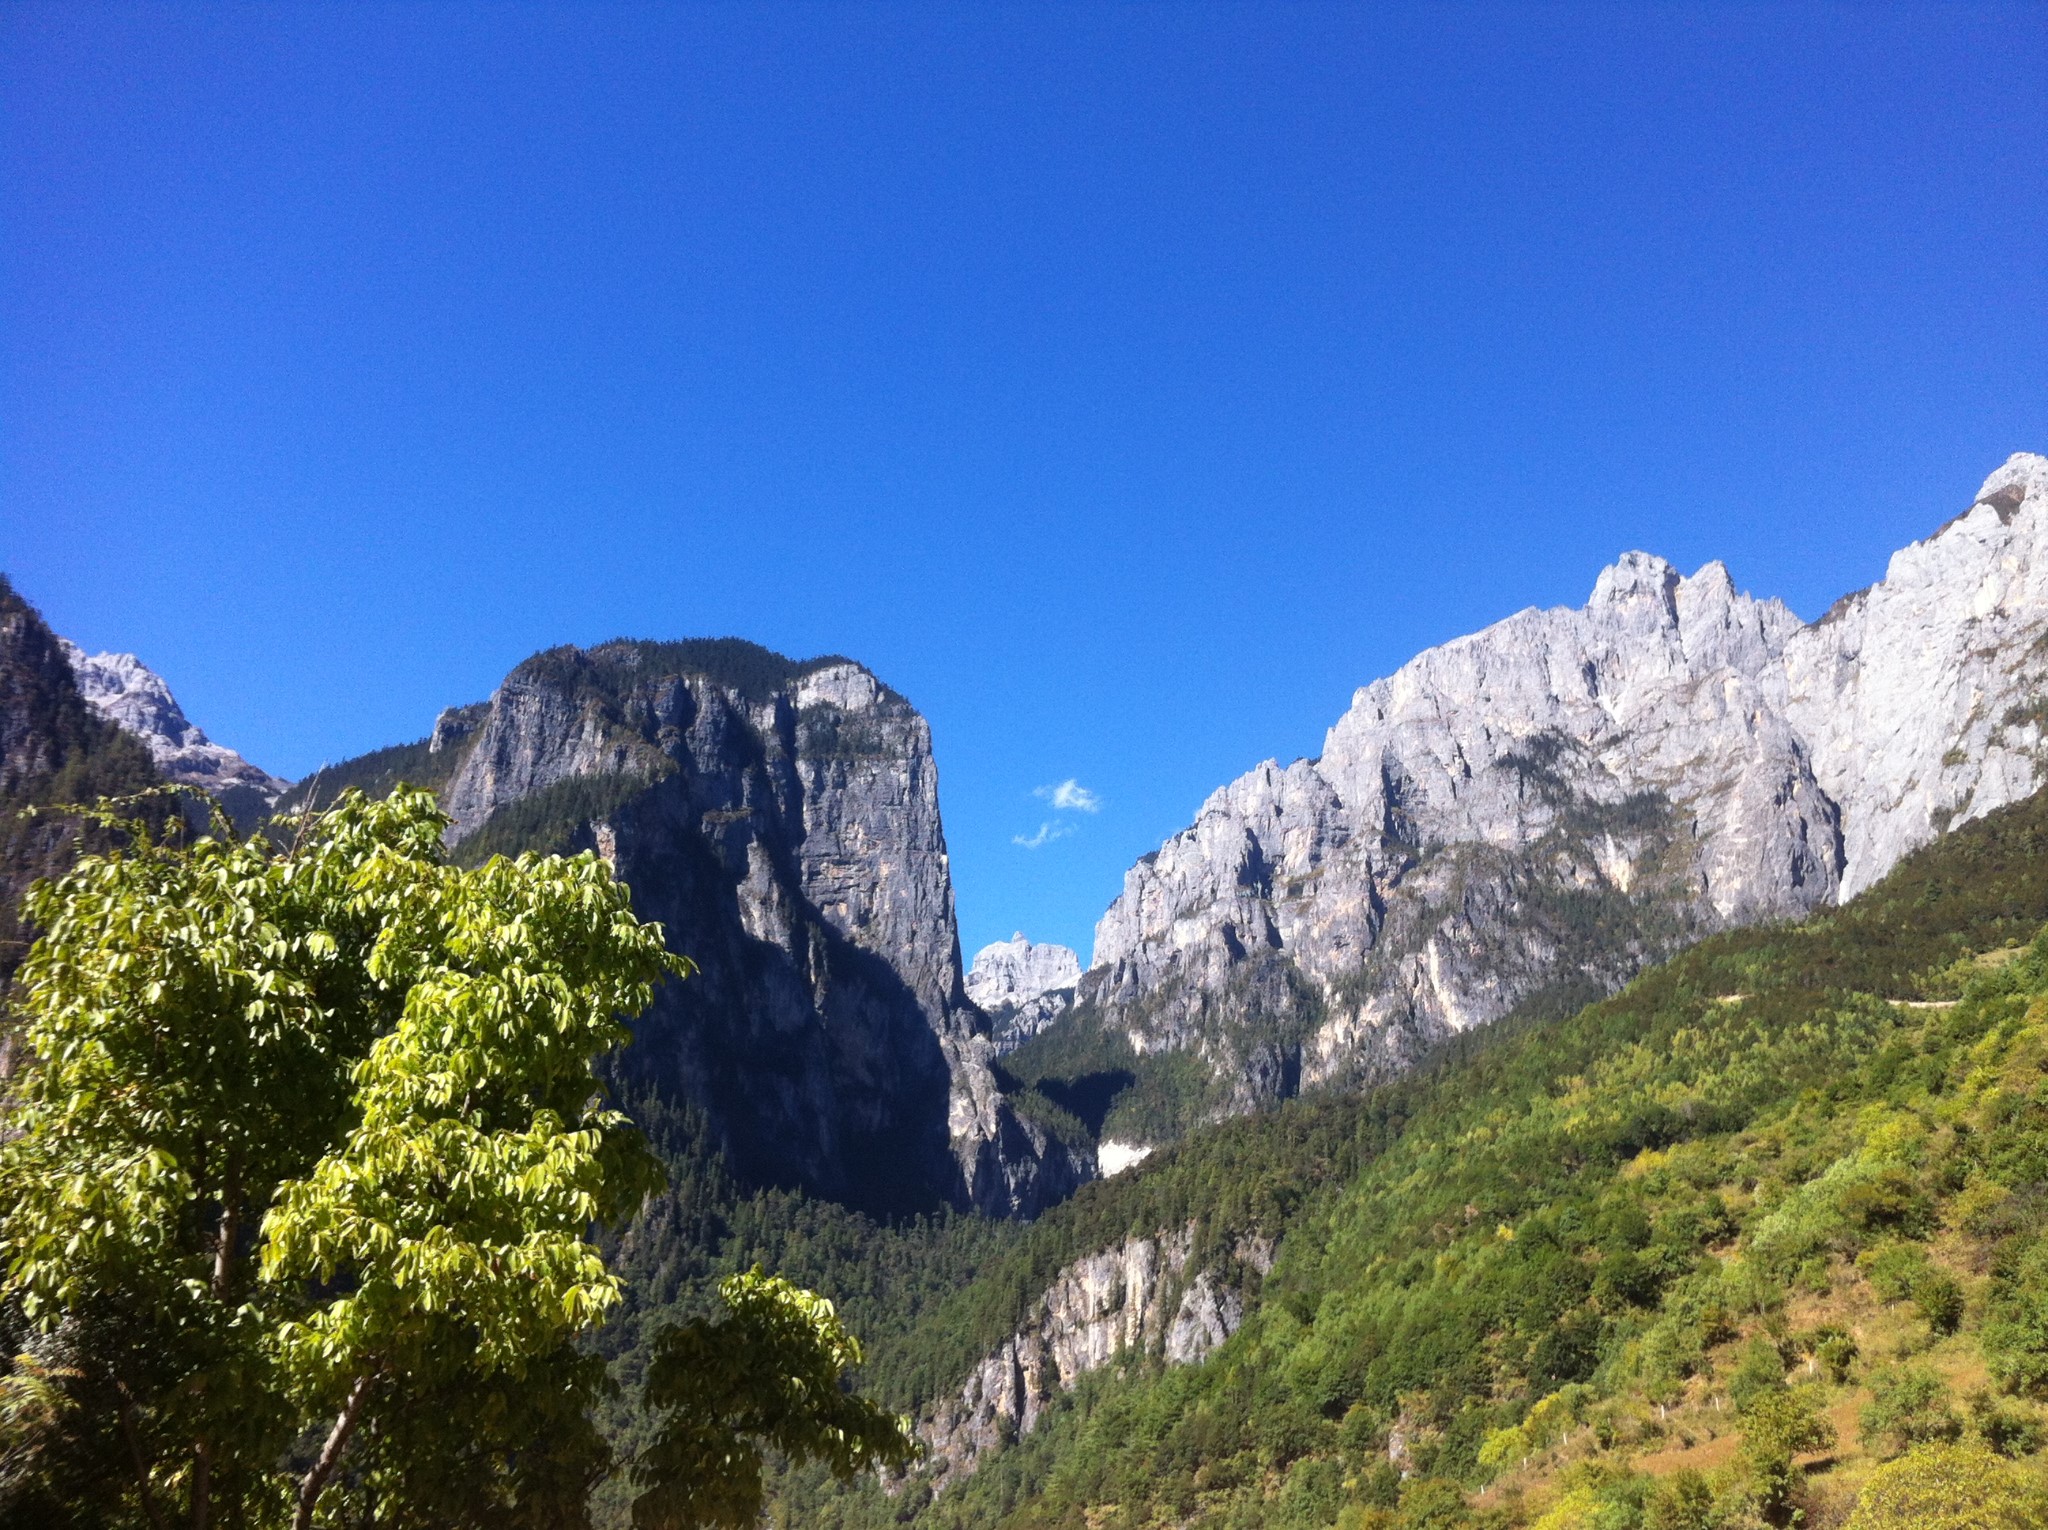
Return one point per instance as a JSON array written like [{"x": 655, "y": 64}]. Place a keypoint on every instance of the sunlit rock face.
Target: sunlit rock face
[
  {"x": 1162, "y": 1295},
  {"x": 128, "y": 693},
  {"x": 781, "y": 820},
  {"x": 1531, "y": 814},
  {"x": 1022, "y": 987},
  {"x": 1924, "y": 698}
]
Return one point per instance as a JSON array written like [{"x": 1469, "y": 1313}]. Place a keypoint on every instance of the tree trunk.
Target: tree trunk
[{"x": 330, "y": 1453}]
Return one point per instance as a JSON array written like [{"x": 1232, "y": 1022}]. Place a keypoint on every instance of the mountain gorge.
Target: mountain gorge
[{"x": 1238, "y": 1225}]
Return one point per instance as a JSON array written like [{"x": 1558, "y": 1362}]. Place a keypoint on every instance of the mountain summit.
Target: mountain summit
[
  {"x": 1530, "y": 814},
  {"x": 134, "y": 697}
]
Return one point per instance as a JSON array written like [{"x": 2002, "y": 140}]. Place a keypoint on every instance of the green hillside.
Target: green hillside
[{"x": 1617, "y": 1269}]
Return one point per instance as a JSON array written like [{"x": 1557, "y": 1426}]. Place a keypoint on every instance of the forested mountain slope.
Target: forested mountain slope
[{"x": 1591, "y": 1265}]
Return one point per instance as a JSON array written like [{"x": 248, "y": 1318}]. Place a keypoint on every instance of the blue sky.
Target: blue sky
[{"x": 1125, "y": 384}]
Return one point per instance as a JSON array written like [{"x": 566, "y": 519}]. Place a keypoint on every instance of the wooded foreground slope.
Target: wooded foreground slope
[{"x": 1799, "y": 1169}]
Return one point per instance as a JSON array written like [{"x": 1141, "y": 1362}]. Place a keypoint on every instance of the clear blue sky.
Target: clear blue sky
[{"x": 1125, "y": 384}]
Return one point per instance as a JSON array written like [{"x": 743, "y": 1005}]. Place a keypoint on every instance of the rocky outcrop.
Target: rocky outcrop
[
  {"x": 125, "y": 691},
  {"x": 1532, "y": 813},
  {"x": 1022, "y": 987},
  {"x": 782, "y": 821},
  {"x": 1161, "y": 1296}
]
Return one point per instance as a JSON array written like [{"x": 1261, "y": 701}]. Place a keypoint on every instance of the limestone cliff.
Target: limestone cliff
[
  {"x": 1162, "y": 1295},
  {"x": 782, "y": 820},
  {"x": 1532, "y": 813},
  {"x": 1022, "y": 987}
]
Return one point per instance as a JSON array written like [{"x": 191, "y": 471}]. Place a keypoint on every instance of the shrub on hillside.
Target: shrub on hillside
[{"x": 1951, "y": 1487}]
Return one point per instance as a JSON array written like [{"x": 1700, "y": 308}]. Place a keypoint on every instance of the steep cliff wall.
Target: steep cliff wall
[
  {"x": 1159, "y": 1296},
  {"x": 1534, "y": 812},
  {"x": 782, "y": 821}
]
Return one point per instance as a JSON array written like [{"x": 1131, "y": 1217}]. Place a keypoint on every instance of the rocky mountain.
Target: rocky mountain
[
  {"x": 1162, "y": 1294},
  {"x": 54, "y": 749},
  {"x": 1022, "y": 987},
  {"x": 126, "y": 692},
  {"x": 781, "y": 819},
  {"x": 1529, "y": 815}
]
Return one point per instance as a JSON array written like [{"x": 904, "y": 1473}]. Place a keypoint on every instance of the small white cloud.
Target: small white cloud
[
  {"x": 1070, "y": 796},
  {"x": 1048, "y": 831}
]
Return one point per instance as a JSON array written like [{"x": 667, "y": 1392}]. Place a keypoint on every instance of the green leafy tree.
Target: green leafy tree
[
  {"x": 1950, "y": 1487},
  {"x": 1940, "y": 1300},
  {"x": 1908, "y": 1407},
  {"x": 769, "y": 1373},
  {"x": 310, "y": 1149},
  {"x": 298, "y": 1189},
  {"x": 1683, "y": 1501},
  {"x": 1780, "y": 1424},
  {"x": 2016, "y": 1339}
]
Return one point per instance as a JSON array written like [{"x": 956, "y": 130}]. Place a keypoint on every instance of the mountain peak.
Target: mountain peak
[
  {"x": 134, "y": 697},
  {"x": 2021, "y": 477},
  {"x": 1634, "y": 579}
]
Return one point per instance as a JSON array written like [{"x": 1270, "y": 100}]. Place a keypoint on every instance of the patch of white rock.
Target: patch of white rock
[{"x": 129, "y": 694}]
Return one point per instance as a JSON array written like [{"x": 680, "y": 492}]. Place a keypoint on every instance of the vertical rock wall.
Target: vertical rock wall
[{"x": 782, "y": 821}]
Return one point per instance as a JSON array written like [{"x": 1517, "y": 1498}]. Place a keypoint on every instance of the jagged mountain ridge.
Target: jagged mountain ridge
[
  {"x": 1527, "y": 1210},
  {"x": 781, "y": 819},
  {"x": 132, "y": 696},
  {"x": 1542, "y": 808}
]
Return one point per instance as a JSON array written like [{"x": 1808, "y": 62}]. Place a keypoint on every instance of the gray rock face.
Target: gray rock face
[
  {"x": 1924, "y": 698},
  {"x": 125, "y": 691},
  {"x": 1545, "y": 806},
  {"x": 1145, "y": 1294},
  {"x": 782, "y": 821},
  {"x": 1022, "y": 987}
]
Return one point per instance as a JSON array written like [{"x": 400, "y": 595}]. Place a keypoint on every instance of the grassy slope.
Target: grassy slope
[{"x": 1620, "y": 1211}]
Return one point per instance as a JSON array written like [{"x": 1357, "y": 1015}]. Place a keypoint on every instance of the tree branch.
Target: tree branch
[
  {"x": 230, "y": 1230},
  {"x": 127, "y": 1413},
  {"x": 330, "y": 1453}
]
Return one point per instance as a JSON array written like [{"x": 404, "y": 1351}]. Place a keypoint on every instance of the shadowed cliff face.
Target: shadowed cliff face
[{"x": 781, "y": 820}]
